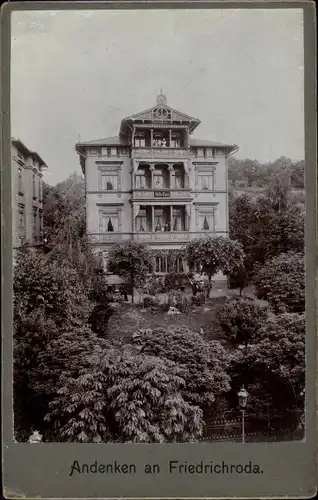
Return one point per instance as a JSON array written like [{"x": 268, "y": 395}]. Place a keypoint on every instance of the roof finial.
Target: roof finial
[{"x": 161, "y": 98}]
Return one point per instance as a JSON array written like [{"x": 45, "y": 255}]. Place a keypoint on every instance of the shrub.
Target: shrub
[
  {"x": 174, "y": 281},
  {"x": 239, "y": 279},
  {"x": 276, "y": 361},
  {"x": 197, "y": 300},
  {"x": 203, "y": 363},
  {"x": 281, "y": 281},
  {"x": 241, "y": 319},
  {"x": 149, "y": 301},
  {"x": 179, "y": 300}
]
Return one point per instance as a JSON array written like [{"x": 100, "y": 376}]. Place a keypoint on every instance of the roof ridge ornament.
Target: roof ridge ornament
[{"x": 161, "y": 98}]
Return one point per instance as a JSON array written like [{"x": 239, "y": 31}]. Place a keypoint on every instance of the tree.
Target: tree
[
  {"x": 53, "y": 288},
  {"x": 281, "y": 281},
  {"x": 146, "y": 399},
  {"x": 276, "y": 362},
  {"x": 121, "y": 397},
  {"x": 267, "y": 226},
  {"x": 48, "y": 299},
  {"x": 241, "y": 319},
  {"x": 211, "y": 255},
  {"x": 239, "y": 279},
  {"x": 203, "y": 363},
  {"x": 131, "y": 261}
]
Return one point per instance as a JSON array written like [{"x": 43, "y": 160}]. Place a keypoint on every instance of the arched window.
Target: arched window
[{"x": 20, "y": 180}]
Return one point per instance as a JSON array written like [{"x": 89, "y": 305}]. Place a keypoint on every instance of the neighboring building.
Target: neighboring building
[
  {"x": 26, "y": 177},
  {"x": 154, "y": 183}
]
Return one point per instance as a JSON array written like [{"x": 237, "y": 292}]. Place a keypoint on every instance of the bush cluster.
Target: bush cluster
[{"x": 241, "y": 319}]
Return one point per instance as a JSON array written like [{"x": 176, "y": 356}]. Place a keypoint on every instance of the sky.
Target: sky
[{"x": 76, "y": 74}]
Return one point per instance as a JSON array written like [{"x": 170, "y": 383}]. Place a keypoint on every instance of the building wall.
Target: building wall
[
  {"x": 26, "y": 197},
  {"x": 201, "y": 200}
]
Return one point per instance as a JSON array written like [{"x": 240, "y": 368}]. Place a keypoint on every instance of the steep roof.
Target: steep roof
[
  {"x": 122, "y": 141},
  {"x": 202, "y": 143},
  {"x": 108, "y": 141}
]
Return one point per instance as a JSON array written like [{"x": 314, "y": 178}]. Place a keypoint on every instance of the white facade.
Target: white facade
[{"x": 155, "y": 184}]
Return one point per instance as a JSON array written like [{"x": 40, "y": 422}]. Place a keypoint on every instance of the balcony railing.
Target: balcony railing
[
  {"x": 142, "y": 194},
  {"x": 148, "y": 236},
  {"x": 163, "y": 236},
  {"x": 160, "y": 153}
]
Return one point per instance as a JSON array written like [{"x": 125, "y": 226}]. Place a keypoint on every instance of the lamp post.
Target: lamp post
[{"x": 242, "y": 396}]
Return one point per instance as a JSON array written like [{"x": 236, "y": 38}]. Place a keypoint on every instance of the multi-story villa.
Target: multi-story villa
[
  {"x": 154, "y": 183},
  {"x": 26, "y": 176}
]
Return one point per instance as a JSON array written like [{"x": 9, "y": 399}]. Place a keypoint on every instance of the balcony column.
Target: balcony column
[
  {"x": 152, "y": 219},
  {"x": 151, "y": 137},
  {"x": 152, "y": 169},
  {"x": 187, "y": 217},
  {"x": 171, "y": 217},
  {"x": 169, "y": 137},
  {"x": 186, "y": 138},
  {"x": 135, "y": 212},
  {"x": 170, "y": 168}
]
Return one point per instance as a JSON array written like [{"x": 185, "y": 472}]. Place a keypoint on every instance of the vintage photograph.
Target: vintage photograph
[{"x": 158, "y": 208}]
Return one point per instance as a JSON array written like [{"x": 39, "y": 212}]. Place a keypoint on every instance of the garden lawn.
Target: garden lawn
[{"x": 127, "y": 318}]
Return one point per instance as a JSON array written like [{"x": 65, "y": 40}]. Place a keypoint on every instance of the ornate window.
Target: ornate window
[
  {"x": 206, "y": 219},
  {"x": 34, "y": 186},
  {"x": 109, "y": 177},
  {"x": 161, "y": 264},
  {"x": 140, "y": 180},
  {"x": 177, "y": 178},
  {"x": 21, "y": 221},
  {"x": 20, "y": 180},
  {"x": 41, "y": 224},
  {"x": 205, "y": 181},
  {"x": 178, "y": 219},
  {"x": 142, "y": 222},
  {"x": 40, "y": 189},
  {"x": 34, "y": 225},
  {"x": 204, "y": 178},
  {"x": 109, "y": 182},
  {"x": 109, "y": 223},
  {"x": 110, "y": 219}
]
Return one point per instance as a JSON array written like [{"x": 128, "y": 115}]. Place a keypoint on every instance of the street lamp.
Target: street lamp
[{"x": 242, "y": 397}]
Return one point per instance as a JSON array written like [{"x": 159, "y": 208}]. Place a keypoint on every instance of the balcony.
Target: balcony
[
  {"x": 110, "y": 237},
  {"x": 143, "y": 194},
  {"x": 149, "y": 236},
  {"x": 160, "y": 153},
  {"x": 164, "y": 236}
]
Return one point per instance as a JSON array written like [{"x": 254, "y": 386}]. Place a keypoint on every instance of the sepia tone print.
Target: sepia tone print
[{"x": 159, "y": 279}]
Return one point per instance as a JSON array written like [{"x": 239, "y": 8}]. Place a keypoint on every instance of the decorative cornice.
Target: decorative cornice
[
  {"x": 205, "y": 203},
  {"x": 110, "y": 204},
  {"x": 100, "y": 192},
  {"x": 109, "y": 162},
  {"x": 204, "y": 163}
]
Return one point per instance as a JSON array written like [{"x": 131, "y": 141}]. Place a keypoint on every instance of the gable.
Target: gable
[{"x": 161, "y": 113}]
